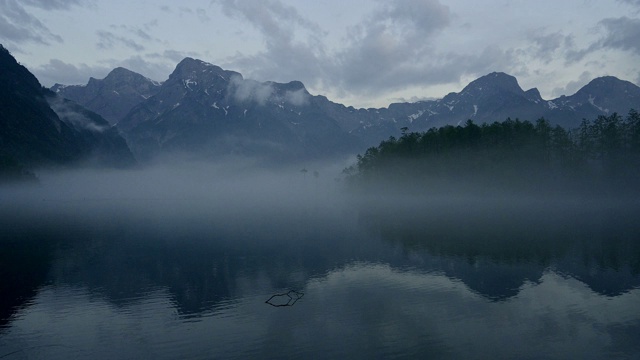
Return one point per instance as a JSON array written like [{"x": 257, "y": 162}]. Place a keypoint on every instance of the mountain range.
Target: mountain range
[
  {"x": 205, "y": 111},
  {"x": 40, "y": 128}
]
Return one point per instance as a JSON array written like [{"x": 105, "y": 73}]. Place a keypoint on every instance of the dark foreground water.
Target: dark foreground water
[{"x": 92, "y": 271}]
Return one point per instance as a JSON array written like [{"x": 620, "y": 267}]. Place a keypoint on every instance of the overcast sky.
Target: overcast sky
[{"x": 358, "y": 52}]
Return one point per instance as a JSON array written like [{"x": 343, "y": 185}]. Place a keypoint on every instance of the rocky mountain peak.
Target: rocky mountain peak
[
  {"x": 190, "y": 69},
  {"x": 493, "y": 83},
  {"x": 120, "y": 75},
  {"x": 120, "y": 71},
  {"x": 604, "y": 95},
  {"x": 605, "y": 85},
  {"x": 113, "y": 96},
  {"x": 533, "y": 94}
]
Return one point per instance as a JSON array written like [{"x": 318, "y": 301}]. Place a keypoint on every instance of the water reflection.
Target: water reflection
[
  {"x": 497, "y": 246},
  {"x": 396, "y": 280}
]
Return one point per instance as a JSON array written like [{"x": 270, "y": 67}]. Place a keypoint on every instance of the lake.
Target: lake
[{"x": 195, "y": 264}]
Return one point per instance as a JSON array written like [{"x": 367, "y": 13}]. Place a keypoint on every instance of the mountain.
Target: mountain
[
  {"x": 497, "y": 96},
  {"x": 205, "y": 110},
  {"x": 602, "y": 96},
  {"x": 38, "y": 128},
  {"x": 112, "y": 97},
  {"x": 202, "y": 108}
]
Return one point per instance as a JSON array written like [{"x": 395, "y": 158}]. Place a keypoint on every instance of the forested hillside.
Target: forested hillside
[{"x": 512, "y": 154}]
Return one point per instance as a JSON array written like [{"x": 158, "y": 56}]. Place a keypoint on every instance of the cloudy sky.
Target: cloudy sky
[{"x": 359, "y": 52}]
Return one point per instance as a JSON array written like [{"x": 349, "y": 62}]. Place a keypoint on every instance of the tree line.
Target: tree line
[{"x": 605, "y": 151}]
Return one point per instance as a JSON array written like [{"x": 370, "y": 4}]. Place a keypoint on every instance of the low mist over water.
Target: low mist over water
[{"x": 178, "y": 261}]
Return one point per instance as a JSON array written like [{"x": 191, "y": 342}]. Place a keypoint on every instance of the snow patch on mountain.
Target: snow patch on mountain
[
  {"x": 412, "y": 117},
  {"x": 592, "y": 102},
  {"x": 188, "y": 82}
]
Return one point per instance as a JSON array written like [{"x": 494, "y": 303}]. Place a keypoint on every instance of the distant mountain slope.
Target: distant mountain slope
[
  {"x": 497, "y": 96},
  {"x": 112, "y": 97},
  {"x": 602, "y": 96},
  {"x": 193, "y": 110},
  {"x": 205, "y": 110},
  {"x": 39, "y": 128}
]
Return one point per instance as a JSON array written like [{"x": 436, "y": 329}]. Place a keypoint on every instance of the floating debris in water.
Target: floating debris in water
[{"x": 286, "y": 299}]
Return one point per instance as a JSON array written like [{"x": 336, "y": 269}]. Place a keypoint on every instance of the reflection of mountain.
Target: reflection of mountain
[
  {"x": 205, "y": 258},
  {"x": 24, "y": 265},
  {"x": 200, "y": 260},
  {"x": 495, "y": 248},
  {"x": 124, "y": 271}
]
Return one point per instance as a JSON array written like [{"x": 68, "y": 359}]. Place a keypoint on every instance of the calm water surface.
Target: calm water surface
[{"x": 85, "y": 275}]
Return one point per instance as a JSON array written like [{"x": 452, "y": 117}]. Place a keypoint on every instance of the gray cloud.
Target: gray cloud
[
  {"x": 573, "y": 86},
  {"x": 622, "y": 33},
  {"x": 174, "y": 56},
  {"x": 272, "y": 17},
  {"x": 253, "y": 91},
  {"x": 18, "y": 26},
  {"x": 574, "y": 55},
  {"x": 618, "y": 33},
  {"x": 250, "y": 90},
  {"x": 56, "y": 4},
  {"x": 73, "y": 118},
  {"x": 142, "y": 33},
  {"x": 158, "y": 70},
  {"x": 390, "y": 49},
  {"x": 293, "y": 45},
  {"x": 57, "y": 71},
  {"x": 412, "y": 99},
  {"x": 545, "y": 47},
  {"x": 631, "y": 2},
  {"x": 202, "y": 15},
  {"x": 297, "y": 98},
  {"x": 108, "y": 40},
  {"x": 398, "y": 46}
]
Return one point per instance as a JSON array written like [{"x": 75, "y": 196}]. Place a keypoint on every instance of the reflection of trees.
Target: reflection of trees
[
  {"x": 496, "y": 247},
  {"x": 197, "y": 276},
  {"x": 493, "y": 247},
  {"x": 24, "y": 265},
  {"x": 200, "y": 264}
]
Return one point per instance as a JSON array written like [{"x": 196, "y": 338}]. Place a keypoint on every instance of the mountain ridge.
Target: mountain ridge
[
  {"x": 111, "y": 97},
  {"x": 203, "y": 109},
  {"x": 214, "y": 94},
  {"x": 39, "y": 128}
]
